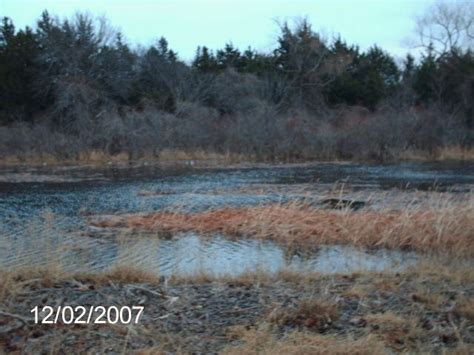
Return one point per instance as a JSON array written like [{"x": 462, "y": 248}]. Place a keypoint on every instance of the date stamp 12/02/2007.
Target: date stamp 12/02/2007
[{"x": 87, "y": 315}]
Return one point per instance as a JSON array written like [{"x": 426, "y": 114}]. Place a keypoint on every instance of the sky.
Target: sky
[{"x": 187, "y": 24}]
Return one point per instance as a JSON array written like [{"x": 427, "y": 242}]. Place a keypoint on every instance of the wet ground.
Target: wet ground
[{"x": 43, "y": 213}]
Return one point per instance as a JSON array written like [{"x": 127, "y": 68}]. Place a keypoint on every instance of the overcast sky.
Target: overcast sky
[{"x": 187, "y": 24}]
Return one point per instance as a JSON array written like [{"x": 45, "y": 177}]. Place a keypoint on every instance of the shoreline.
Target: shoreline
[{"x": 214, "y": 159}]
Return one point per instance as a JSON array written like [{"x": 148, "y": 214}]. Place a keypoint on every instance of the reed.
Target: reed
[
  {"x": 264, "y": 342},
  {"x": 444, "y": 227},
  {"x": 440, "y": 154},
  {"x": 100, "y": 157}
]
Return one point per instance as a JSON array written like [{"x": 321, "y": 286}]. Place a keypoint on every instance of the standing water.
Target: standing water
[{"x": 43, "y": 214}]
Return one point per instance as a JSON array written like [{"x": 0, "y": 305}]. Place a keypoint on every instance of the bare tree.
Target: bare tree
[{"x": 446, "y": 25}]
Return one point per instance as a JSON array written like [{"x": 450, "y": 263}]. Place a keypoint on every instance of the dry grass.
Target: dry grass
[
  {"x": 89, "y": 157},
  {"x": 156, "y": 350},
  {"x": 459, "y": 271},
  {"x": 312, "y": 313},
  {"x": 386, "y": 316},
  {"x": 13, "y": 282},
  {"x": 441, "y": 154},
  {"x": 121, "y": 275},
  {"x": 444, "y": 228},
  {"x": 393, "y": 329},
  {"x": 465, "y": 308},
  {"x": 263, "y": 342},
  {"x": 101, "y": 157},
  {"x": 356, "y": 291},
  {"x": 456, "y": 153},
  {"x": 430, "y": 300},
  {"x": 174, "y": 155}
]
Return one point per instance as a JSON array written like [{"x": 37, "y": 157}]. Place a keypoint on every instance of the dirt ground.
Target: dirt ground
[{"x": 429, "y": 309}]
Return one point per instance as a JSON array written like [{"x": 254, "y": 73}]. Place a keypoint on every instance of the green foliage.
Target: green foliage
[
  {"x": 158, "y": 74},
  {"x": 409, "y": 69},
  {"x": 449, "y": 80},
  {"x": 116, "y": 73},
  {"x": 456, "y": 72},
  {"x": 70, "y": 69},
  {"x": 371, "y": 77},
  {"x": 18, "y": 51},
  {"x": 205, "y": 61},
  {"x": 302, "y": 59},
  {"x": 426, "y": 81}
]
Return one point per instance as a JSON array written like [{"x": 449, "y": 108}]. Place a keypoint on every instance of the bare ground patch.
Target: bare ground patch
[{"x": 284, "y": 313}]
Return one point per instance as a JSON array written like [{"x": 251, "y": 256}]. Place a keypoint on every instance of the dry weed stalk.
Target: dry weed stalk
[
  {"x": 445, "y": 227},
  {"x": 262, "y": 341}
]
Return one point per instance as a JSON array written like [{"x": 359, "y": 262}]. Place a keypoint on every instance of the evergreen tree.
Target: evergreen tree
[
  {"x": 344, "y": 88},
  {"x": 229, "y": 57},
  {"x": 425, "y": 81},
  {"x": 205, "y": 61},
  {"x": 409, "y": 69},
  {"x": 117, "y": 73},
  {"x": 301, "y": 58},
  {"x": 18, "y": 53}
]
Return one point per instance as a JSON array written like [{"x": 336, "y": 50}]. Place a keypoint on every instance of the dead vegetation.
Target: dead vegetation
[
  {"x": 311, "y": 313},
  {"x": 443, "y": 227},
  {"x": 264, "y": 342},
  {"x": 465, "y": 308},
  {"x": 427, "y": 308},
  {"x": 396, "y": 331},
  {"x": 99, "y": 157},
  {"x": 256, "y": 313},
  {"x": 15, "y": 282}
]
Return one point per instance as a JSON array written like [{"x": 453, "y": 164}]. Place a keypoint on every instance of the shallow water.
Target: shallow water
[
  {"x": 41, "y": 222},
  {"x": 190, "y": 254}
]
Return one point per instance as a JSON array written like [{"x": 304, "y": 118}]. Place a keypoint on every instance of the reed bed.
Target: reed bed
[
  {"x": 101, "y": 157},
  {"x": 446, "y": 228}
]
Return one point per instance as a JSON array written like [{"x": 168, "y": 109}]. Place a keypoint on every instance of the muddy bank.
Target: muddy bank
[{"x": 428, "y": 309}]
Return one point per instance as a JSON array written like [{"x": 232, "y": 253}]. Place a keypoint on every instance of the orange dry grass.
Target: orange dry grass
[
  {"x": 396, "y": 331},
  {"x": 447, "y": 229},
  {"x": 465, "y": 307},
  {"x": 102, "y": 157},
  {"x": 12, "y": 282},
  {"x": 311, "y": 313},
  {"x": 261, "y": 341}
]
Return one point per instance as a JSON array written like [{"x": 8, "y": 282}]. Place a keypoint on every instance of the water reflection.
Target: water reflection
[
  {"x": 41, "y": 222},
  {"x": 189, "y": 254}
]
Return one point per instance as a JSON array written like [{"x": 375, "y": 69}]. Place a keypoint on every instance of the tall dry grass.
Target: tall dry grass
[
  {"x": 440, "y": 154},
  {"x": 444, "y": 227},
  {"x": 95, "y": 156},
  {"x": 262, "y": 341},
  {"x": 102, "y": 157}
]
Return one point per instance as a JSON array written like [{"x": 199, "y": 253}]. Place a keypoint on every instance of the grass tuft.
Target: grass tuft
[
  {"x": 443, "y": 228},
  {"x": 262, "y": 341},
  {"x": 310, "y": 313}
]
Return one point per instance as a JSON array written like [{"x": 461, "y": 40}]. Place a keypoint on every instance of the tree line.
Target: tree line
[{"x": 73, "y": 85}]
